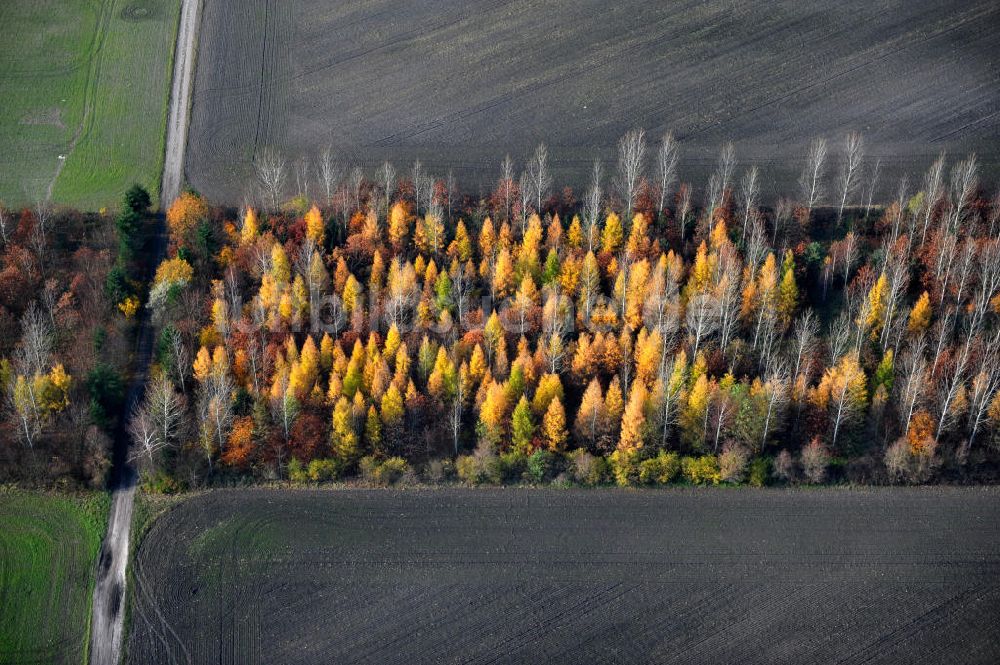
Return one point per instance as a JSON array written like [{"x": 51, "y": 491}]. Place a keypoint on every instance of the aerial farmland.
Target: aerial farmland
[{"x": 499, "y": 332}]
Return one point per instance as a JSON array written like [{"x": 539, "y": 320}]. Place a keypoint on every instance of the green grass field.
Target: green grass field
[
  {"x": 84, "y": 87},
  {"x": 48, "y": 551}
]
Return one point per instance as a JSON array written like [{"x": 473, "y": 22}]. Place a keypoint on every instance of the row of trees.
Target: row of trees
[{"x": 645, "y": 177}]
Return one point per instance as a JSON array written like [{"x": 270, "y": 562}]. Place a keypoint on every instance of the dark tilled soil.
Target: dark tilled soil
[
  {"x": 459, "y": 83},
  {"x": 542, "y": 576}
]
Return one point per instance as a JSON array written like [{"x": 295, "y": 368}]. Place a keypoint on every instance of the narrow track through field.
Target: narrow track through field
[
  {"x": 108, "y": 611},
  {"x": 180, "y": 102}
]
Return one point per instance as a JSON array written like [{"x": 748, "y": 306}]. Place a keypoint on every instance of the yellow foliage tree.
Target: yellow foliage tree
[
  {"x": 129, "y": 306},
  {"x": 591, "y": 415},
  {"x": 461, "y": 247},
  {"x": 614, "y": 407},
  {"x": 202, "y": 364},
  {"x": 53, "y": 391},
  {"x": 503, "y": 275},
  {"x": 634, "y": 419},
  {"x": 574, "y": 236},
  {"x": 700, "y": 278},
  {"x": 648, "y": 353},
  {"x": 281, "y": 269},
  {"x": 920, "y": 315},
  {"x": 638, "y": 237},
  {"x": 549, "y": 388},
  {"x": 554, "y": 426},
  {"x": 315, "y": 227},
  {"x": 487, "y": 239},
  {"x": 719, "y": 236},
  {"x": 344, "y": 438},
  {"x": 875, "y": 311},
  {"x": 493, "y": 414},
  {"x": 788, "y": 291},
  {"x": 399, "y": 225},
  {"x": 183, "y": 216},
  {"x": 174, "y": 271},
  {"x": 392, "y": 407},
  {"x": 250, "y": 227},
  {"x": 843, "y": 391},
  {"x": 352, "y": 295},
  {"x": 612, "y": 234},
  {"x": 694, "y": 413}
]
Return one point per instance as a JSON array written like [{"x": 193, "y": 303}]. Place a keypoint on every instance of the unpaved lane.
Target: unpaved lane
[
  {"x": 108, "y": 610},
  {"x": 180, "y": 102},
  {"x": 109, "y": 592}
]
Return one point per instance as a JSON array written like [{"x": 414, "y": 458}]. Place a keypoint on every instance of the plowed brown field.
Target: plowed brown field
[
  {"x": 573, "y": 576},
  {"x": 459, "y": 83}
]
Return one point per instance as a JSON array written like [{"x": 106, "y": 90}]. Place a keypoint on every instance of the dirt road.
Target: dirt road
[
  {"x": 109, "y": 592},
  {"x": 108, "y": 609},
  {"x": 180, "y": 102}
]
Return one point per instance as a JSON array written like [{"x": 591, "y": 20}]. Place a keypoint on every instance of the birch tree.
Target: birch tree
[
  {"x": 702, "y": 319},
  {"x": 933, "y": 191},
  {"x": 302, "y": 177},
  {"x": 35, "y": 351},
  {"x": 805, "y": 339},
  {"x": 631, "y": 160},
  {"x": 539, "y": 177},
  {"x": 811, "y": 179},
  {"x": 964, "y": 183},
  {"x": 684, "y": 209},
  {"x": 180, "y": 355},
  {"x": 850, "y": 169},
  {"x": 143, "y": 434},
  {"x": 912, "y": 383},
  {"x": 357, "y": 183},
  {"x": 776, "y": 395},
  {"x": 271, "y": 173},
  {"x": 387, "y": 182},
  {"x": 506, "y": 186},
  {"x": 592, "y": 205},
  {"x": 330, "y": 174},
  {"x": 985, "y": 385},
  {"x": 749, "y": 195},
  {"x": 666, "y": 167},
  {"x": 4, "y": 226},
  {"x": 165, "y": 408},
  {"x": 727, "y": 166}
]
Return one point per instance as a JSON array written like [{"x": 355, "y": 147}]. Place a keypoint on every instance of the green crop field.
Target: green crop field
[
  {"x": 48, "y": 553},
  {"x": 83, "y": 98}
]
